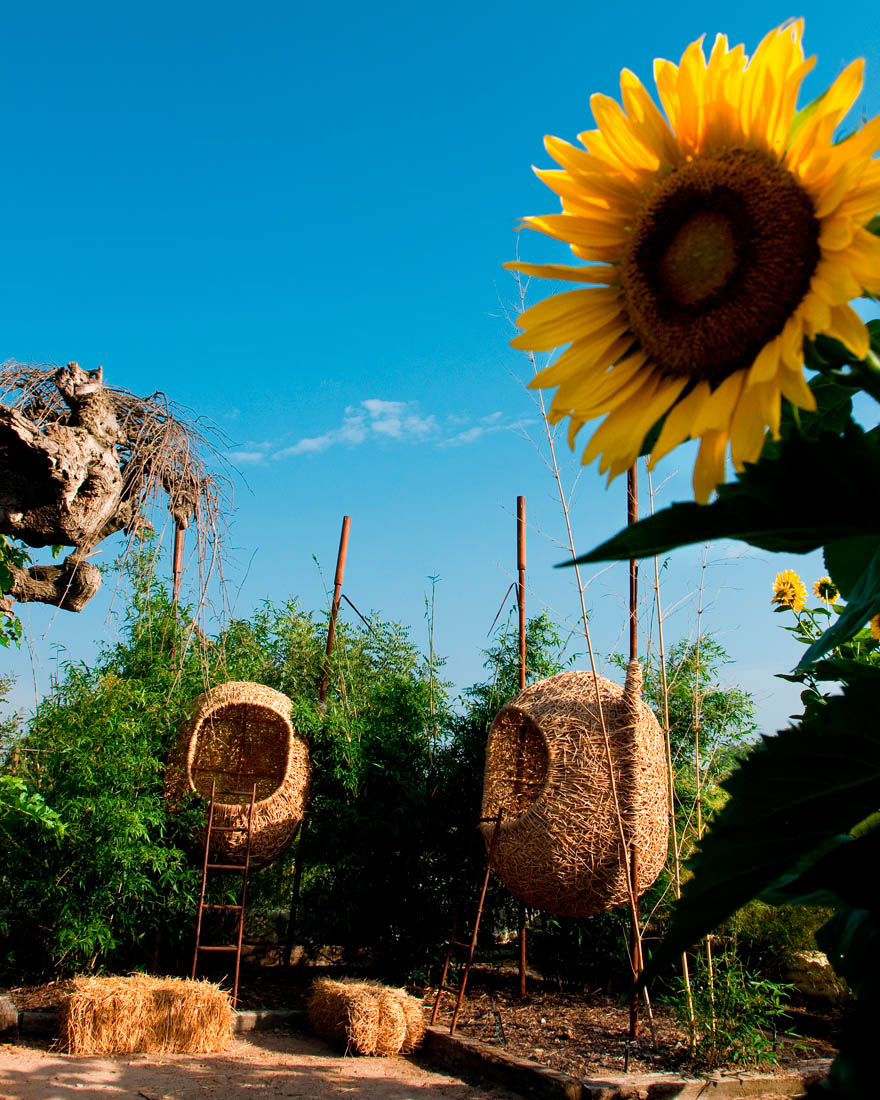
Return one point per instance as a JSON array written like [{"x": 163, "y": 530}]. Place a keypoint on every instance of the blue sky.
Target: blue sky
[{"x": 292, "y": 221}]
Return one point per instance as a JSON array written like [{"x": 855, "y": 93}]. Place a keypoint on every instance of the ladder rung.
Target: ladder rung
[
  {"x": 246, "y": 793},
  {"x": 460, "y": 945},
  {"x": 214, "y": 906},
  {"x": 230, "y": 947},
  {"x": 227, "y": 867},
  {"x": 229, "y": 828}
]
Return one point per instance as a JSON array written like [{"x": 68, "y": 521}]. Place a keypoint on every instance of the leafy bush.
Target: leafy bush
[{"x": 736, "y": 1013}]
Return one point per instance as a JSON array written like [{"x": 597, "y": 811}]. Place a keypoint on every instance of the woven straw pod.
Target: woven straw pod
[
  {"x": 241, "y": 734},
  {"x": 559, "y": 847}
]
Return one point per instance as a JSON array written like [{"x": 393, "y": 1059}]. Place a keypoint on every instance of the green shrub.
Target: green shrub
[{"x": 736, "y": 1012}]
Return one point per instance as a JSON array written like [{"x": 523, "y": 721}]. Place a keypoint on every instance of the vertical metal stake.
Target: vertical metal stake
[
  {"x": 635, "y": 941},
  {"x": 334, "y": 607},
  {"x": 177, "y": 561}
]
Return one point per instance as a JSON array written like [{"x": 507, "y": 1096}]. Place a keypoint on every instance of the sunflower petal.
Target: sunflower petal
[
  {"x": 709, "y": 467},
  {"x": 847, "y": 327},
  {"x": 564, "y": 273}
]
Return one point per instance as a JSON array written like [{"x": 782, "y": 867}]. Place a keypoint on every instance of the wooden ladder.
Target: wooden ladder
[
  {"x": 238, "y": 868},
  {"x": 468, "y": 946}
]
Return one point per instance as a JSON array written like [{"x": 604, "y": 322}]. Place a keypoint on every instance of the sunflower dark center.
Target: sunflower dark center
[{"x": 721, "y": 255}]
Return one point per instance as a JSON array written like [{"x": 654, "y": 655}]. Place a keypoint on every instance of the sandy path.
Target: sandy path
[{"x": 270, "y": 1065}]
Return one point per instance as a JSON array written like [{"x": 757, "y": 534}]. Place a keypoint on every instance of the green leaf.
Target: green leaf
[
  {"x": 788, "y": 799},
  {"x": 841, "y": 668},
  {"x": 833, "y": 412},
  {"x": 864, "y": 603},
  {"x": 847, "y": 559},
  {"x": 837, "y": 876},
  {"x": 851, "y": 940},
  {"x": 772, "y": 505}
]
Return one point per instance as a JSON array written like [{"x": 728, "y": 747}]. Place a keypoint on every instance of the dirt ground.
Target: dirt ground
[
  {"x": 581, "y": 1034},
  {"x": 270, "y": 1064}
]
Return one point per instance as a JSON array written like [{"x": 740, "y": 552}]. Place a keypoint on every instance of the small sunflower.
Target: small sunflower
[
  {"x": 826, "y": 589},
  {"x": 875, "y": 627},
  {"x": 789, "y": 590},
  {"x": 718, "y": 238}
]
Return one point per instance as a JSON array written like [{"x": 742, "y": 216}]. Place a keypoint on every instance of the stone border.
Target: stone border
[{"x": 534, "y": 1080}]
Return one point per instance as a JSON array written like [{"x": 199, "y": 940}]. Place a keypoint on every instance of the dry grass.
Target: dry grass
[{"x": 144, "y": 1014}]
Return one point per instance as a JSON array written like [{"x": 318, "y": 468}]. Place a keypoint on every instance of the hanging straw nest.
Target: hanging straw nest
[
  {"x": 368, "y": 1017},
  {"x": 559, "y": 845},
  {"x": 140, "y": 1013},
  {"x": 239, "y": 735}
]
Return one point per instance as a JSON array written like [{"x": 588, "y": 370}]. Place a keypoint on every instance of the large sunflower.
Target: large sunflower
[{"x": 719, "y": 237}]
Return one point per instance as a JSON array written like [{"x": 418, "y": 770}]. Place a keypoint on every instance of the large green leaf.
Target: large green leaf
[
  {"x": 847, "y": 559},
  {"x": 851, "y": 940},
  {"x": 836, "y": 877},
  {"x": 789, "y": 799},
  {"x": 811, "y": 493}
]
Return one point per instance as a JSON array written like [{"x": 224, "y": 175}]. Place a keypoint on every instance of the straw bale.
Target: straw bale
[
  {"x": 144, "y": 1014},
  {"x": 368, "y": 1017},
  {"x": 559, "y": 847},
  {"x": 240, "y": 734},
  {"x": 414, "y": 1015}
]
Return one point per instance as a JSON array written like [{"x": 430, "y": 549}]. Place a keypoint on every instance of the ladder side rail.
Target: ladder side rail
[
  {"x": 201, "y": 907},
  {"x": 449, "y": 949},
  {"x": 244, "y": 882},
  {"x": 473, "y": 944}
]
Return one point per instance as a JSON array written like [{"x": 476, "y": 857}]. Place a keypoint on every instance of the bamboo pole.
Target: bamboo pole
[
  {"x": 632, "y": 516},
  {"x": 670, "y": 774},
  {"x": 521, "y": 601},
  {"x": 322, "y": 695}
]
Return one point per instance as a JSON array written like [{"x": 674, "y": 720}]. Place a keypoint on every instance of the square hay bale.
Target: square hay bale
[
  {"x": 145, "y": 1014},
  {"x": 368, "y": 1017}
]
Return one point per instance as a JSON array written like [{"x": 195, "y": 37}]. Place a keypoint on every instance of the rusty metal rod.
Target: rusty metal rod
[
  {"x": 177, "y": 561},
  {"x": 334, "y": 607}
]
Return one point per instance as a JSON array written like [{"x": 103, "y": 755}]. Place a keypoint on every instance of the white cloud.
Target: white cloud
[
  {"x": 469, "y": 435},
  {"x": 376, "y": 419},
  {"x": 246, "y": 456},
  {"x": 487, "y": 425},
  {"x": 399, "y": 420}
]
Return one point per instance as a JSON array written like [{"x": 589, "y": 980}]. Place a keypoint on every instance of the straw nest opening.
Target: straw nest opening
[
  {"x": 144, "y": 1014},
  {"x": 559, "y": 844},
  {"x": 240, "y": 735},
  {"x": 368, "y": 1017}
]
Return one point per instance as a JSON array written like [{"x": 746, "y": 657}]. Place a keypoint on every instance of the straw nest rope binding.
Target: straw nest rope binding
[
  {"x": 240, "y": 734},
  {"x": 559, "y": 842}
]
